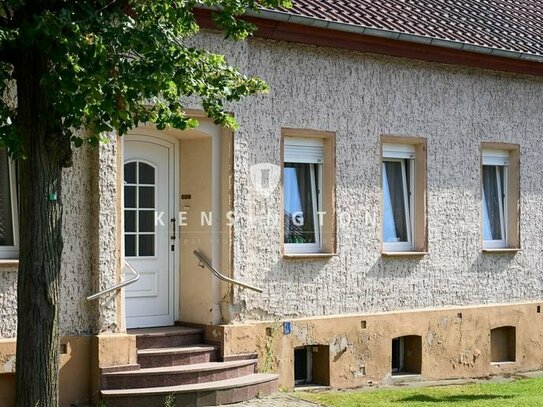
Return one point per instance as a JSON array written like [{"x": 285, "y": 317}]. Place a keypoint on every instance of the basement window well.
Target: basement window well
[
  {"x": 407, "y": 355},
  {"x": 503, "y": 344},
  {"x": 312, "y": 365}
]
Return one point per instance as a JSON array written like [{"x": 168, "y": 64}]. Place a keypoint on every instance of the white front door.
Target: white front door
[{"x": 149, "y": 207}]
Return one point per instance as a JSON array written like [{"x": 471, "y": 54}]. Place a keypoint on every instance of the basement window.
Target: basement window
[
  {"x": 503, "y": 344},
  {"x": 312, "y": 365},
  {"x": 407, "y": 355}
]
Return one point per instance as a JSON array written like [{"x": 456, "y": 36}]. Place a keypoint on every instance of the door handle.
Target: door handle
[{"x": 173, "y": 235}]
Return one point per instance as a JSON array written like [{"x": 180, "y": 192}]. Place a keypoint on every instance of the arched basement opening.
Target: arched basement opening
[{"x": 406, "y": 355}]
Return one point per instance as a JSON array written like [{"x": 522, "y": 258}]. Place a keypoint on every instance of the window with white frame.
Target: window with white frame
[
  {"x": 398, "y": 171},
  {"x": 302, "y": 200},
  {"x": 9, "y": 239},
  {"x": 494, "y": 188}
]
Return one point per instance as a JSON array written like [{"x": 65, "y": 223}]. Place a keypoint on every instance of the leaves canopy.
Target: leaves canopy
[{"x": 113, "y": 64}]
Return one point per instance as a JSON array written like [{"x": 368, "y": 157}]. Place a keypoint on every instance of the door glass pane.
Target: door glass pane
[
  {"x": 146, "y": 174},
  {"x": 130, "y": 245},
  {"x": 129, "y": 221},
  {"x": 129, "y": 197},
  {"x": 146, "y": 221},
  {"x": 139, "y": 214},
  {"x": 395, "y": 226},
  {"x": 299, "y": 203},
  {"x": 6, "y": 215},
  {"x": 130, "y": 173},
  {"x": 492, "y": 202},
  {"x": 147, "y": 197},
  {"x": 146, "y": 245}
]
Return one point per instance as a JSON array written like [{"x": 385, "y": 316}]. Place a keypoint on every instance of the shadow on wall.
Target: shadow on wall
[
  {"x": 297, "y": 271},
  {"x": 494, "y": 263},
  {"x": 395, "y": 267},
  {"x": 291, "y": 278}
]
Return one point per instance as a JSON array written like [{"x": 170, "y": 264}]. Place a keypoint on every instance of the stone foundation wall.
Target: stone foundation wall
[{"x": 456, "y": 343}]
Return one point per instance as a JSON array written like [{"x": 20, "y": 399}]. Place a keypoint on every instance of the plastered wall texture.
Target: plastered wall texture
[
  {"x": 107, "y": 249},
  {"x": 456, "y": 343},
  {"x": 8, "y": 302},
  {"x": 89, "y": 256},
  {"x": 360, "y": 97}
]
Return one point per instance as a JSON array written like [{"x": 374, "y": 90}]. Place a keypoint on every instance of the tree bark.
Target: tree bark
[{"x": 40, "y": 235}]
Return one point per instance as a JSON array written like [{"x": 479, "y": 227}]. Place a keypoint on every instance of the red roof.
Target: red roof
[{"x": 511, "y": 25}]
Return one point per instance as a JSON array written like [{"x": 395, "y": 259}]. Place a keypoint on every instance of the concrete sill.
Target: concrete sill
[
  {"x": 311, "y": 387},
  {"x": 503, "y": 250},
  {"x": 511, "y": 362},
  {"x": 308, "y": 255},
  {"x": 402, "y": 254},
  {"x": 9, "y": 263},
  {"x": 405, "y": 378}
]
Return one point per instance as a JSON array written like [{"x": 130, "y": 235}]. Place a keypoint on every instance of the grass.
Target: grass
[{"x": 518, "y": 393}]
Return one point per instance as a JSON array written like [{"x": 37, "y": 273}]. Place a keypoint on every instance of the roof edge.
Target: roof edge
[{"x": 282, "y": 16}]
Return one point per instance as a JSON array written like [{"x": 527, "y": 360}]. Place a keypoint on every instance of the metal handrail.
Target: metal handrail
[
  {"x": 120, "y": 285},
  {"x": 205, "y": 263}
]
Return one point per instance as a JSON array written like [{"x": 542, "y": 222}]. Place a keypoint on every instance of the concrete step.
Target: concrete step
[
  {"x": 167, "y": 337},
  {"x": 177, "y": 356},
  {"x": 178, "y": 375},
  {"x": 195, "y": 395}
]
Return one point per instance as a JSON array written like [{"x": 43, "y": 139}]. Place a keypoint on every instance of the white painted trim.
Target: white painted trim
[
  {"x": 306, "y": 150},
  {"x": 408, "y": 205},
  {"x": 172, "y": 143},
  {"x": 398, "y": 150},
  {"x": 500, "y": 243},
  {"x": 495, "y": 157},
  {"x": 216, "y": 221}
]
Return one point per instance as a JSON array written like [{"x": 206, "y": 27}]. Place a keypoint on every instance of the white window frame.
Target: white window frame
[
  {"x": 497, "y": 158},
  {"x": 12, "y": 252},
  {"x": 400, "y": 153},
  {"x": 307, "y": 150}
]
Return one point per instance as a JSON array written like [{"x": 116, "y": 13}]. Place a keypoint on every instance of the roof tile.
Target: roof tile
[{"x": 512, "y": 25}]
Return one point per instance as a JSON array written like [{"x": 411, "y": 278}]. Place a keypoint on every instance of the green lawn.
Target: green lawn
[{"x": 519, "y": 393}]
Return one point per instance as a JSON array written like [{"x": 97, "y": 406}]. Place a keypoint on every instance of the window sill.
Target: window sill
[
  {"x": 506, "y": 362},
  {"x": 308, "y": 255},
  {"x": 403, "y": 254},
  {"x": 8, "y": 263},
  {"x": 503, "y": 250}
]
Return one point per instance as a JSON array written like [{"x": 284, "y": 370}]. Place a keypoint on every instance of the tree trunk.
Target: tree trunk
[{"x": 40, "y": 236}]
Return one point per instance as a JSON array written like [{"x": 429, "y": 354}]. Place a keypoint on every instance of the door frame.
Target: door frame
[{"x": 147, "y": 134}]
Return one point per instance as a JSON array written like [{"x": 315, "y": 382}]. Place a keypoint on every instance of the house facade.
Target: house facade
[{"x": 384, "y": 200}]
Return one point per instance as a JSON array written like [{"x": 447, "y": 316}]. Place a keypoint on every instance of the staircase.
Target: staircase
[{"x": 175, "y": 368}]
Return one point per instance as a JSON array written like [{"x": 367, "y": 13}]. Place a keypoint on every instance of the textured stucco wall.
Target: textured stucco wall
[
  {"x": 360, "y": 97},
  {"x": 78, "y": 234},
  {"x": 107, "y": 229},
  {"x": 8, "y": 302},
  {"x": 89, "y": 256},
  {"x": 75, "y": 313}
]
